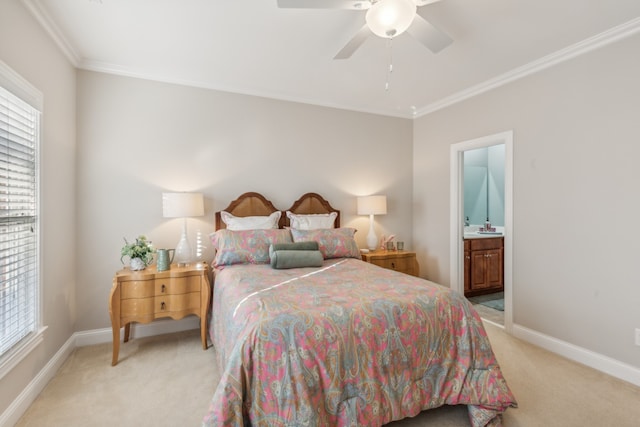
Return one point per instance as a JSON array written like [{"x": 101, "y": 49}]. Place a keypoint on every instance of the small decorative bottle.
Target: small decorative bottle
[{"x": 487, "y": 225}]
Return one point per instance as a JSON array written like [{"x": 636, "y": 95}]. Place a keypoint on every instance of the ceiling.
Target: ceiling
[{"x": 253, "y": 47}]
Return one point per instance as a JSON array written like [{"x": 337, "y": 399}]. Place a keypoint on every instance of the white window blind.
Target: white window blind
[{"x": 19, "y": 296}]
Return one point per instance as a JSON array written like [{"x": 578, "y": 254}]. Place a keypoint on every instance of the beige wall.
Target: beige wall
[
  {"x": 576, "y": 176},
  {"x": 28, "y": 51},
  {"x": 575, "y": 181},
  {"x": 138, "y": 138}
]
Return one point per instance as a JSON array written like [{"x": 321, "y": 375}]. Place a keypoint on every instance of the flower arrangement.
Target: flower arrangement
[{"x": 142, "y": 250}]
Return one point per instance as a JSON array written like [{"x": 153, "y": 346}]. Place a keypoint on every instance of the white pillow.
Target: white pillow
[
  {"x": 312, "y": 221},
  {"x": 238, "y": 223}
]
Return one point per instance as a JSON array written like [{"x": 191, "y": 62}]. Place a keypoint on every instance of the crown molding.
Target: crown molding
[
  {"x": 19, "y": 86},
  {"x": 45, "y": 20},
  {"x": 607, "y": 37},
  {"x": 109, "y": 68}
]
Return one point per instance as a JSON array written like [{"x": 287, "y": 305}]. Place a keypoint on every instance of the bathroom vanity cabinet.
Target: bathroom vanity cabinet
[{"x": 483, "y": 265}]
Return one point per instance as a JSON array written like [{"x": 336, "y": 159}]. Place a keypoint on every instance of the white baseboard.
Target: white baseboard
[
  {"x": 21, "y": 403},
  {"x": 138, "y": 330},
  {"x": 80, "y": 339},
  {"x": 594, "y": 360},
  {"x": 18, "y": 407}
]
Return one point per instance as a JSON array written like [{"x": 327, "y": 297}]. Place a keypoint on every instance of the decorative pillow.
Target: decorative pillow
[
  {"x": 312, "y": 221},
  {"x": 333, "y": 243},
  {"x": 285, "y": 258},
  {"x": 250, "y": 222},
  {"x": 300, "y": 246},
  {"x": 246, "y": 246}
]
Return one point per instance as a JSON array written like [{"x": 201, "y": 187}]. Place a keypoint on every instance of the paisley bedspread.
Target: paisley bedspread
[{"x": 347, "y": 344}]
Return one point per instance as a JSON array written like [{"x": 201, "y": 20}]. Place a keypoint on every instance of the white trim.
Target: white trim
[
  {"x": 79, "y": 339},
  {"x": 20, "y": 351},
  {"x": 20, "y": 87},
  {"x": 107, "y": 68},
  {"x": 456, "y": 212},
  {"x": 456, "y": 264},
  {"x": 49, "y": 25},
  {"x": 585, "y": 46},
  {"x": 12, "y": 414},
  {"x": 599, "y": 40},
  {"x": 138, "y": 330},
  {"x": 595, "y": 42},
  {"x": 491, "y": 322},
  {"x": 18, "y": 407},
  {"x": 26, "y": 92},
  {"x": 594, "y": 360}
]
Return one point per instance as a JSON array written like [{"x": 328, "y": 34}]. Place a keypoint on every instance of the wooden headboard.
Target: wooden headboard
[
  {"x": 255, "y": 204},
  {"x": 312, "y": 203},
  {"x": 248, "y": 204}
]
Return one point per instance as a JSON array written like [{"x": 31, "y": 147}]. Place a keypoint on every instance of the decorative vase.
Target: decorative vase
[{"x": 137, "y": 264}]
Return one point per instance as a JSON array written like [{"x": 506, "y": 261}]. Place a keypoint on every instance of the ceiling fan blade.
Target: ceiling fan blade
[
  {"x": 428, "y": 34},
  {"x": 324, "y": 4},
  {"x": 353, "y": 44}
]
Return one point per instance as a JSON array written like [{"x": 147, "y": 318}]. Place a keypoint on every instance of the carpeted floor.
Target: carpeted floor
[{"x": 168, "y": 381}]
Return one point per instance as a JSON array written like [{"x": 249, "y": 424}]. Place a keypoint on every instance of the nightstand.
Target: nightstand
[
  {"x": 146, "y": 295},
  {"x": 402, "y": 261}
]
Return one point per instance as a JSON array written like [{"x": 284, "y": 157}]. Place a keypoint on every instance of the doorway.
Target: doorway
[{"x": 457, "y": 215}]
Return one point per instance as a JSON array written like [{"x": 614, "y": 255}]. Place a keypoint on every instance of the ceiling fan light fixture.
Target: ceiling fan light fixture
[{"x": 390, "y": 18}]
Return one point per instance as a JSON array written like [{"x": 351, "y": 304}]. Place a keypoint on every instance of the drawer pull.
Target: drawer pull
[
  {"x": 163, "y": 289},
  {"x": 162, "y": 305},
  {"x": 393, "y": 265}
]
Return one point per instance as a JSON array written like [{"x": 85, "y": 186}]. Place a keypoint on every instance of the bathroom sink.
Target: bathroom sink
[{"x": 480, "y": 235}]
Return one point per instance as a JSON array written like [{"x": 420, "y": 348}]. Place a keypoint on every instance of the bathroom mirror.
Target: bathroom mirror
[{"x": 484, "y": 185}]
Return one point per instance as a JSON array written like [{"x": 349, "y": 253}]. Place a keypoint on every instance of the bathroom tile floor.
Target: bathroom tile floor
[{"x": 490, "y": 314}]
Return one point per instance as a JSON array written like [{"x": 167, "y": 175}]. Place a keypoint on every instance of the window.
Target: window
[{"x": 20, "y": 326}]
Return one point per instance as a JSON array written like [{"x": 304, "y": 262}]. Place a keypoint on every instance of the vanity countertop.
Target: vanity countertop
[
  {"x": 476, "y": 235},
  {"x": 471, "y": 232}
]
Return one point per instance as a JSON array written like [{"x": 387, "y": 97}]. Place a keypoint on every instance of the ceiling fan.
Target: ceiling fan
[{"x": 384, "y": 18}]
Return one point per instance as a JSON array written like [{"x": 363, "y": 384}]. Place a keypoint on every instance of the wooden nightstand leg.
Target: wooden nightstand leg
[
  {"x": 114, "y": 312},
  {"x": 203, "y": 332},
  {"x": 127, "y": 329},
  {"x": 116, "y": 343},
  {"x": 205, "y": 299}
]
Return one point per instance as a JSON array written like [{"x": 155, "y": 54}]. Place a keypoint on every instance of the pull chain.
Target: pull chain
[{"x": 390, "y": 70}]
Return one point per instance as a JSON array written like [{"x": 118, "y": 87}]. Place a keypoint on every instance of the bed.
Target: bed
[{"x": 341, "y": 344}]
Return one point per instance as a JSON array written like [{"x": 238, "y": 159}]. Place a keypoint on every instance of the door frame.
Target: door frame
[{"x": 456, "y": 220}]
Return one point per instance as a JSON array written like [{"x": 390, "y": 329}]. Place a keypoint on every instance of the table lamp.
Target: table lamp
[
  {"x": 182, "y": 205},
  {"x": 372, "y": 205}
]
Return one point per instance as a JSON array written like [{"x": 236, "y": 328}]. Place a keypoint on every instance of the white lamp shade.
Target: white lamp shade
[
  {"x": 372, "y": 205},
  {"x": 390, "y": 18},
  {"x": 182, "y": 205}
]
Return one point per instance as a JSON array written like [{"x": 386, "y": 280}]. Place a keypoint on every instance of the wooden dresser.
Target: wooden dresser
[
  {"x": 483, "y": 266},
  {"x": 402, "y": 261},
  {"x": 146, "y": 295}
]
